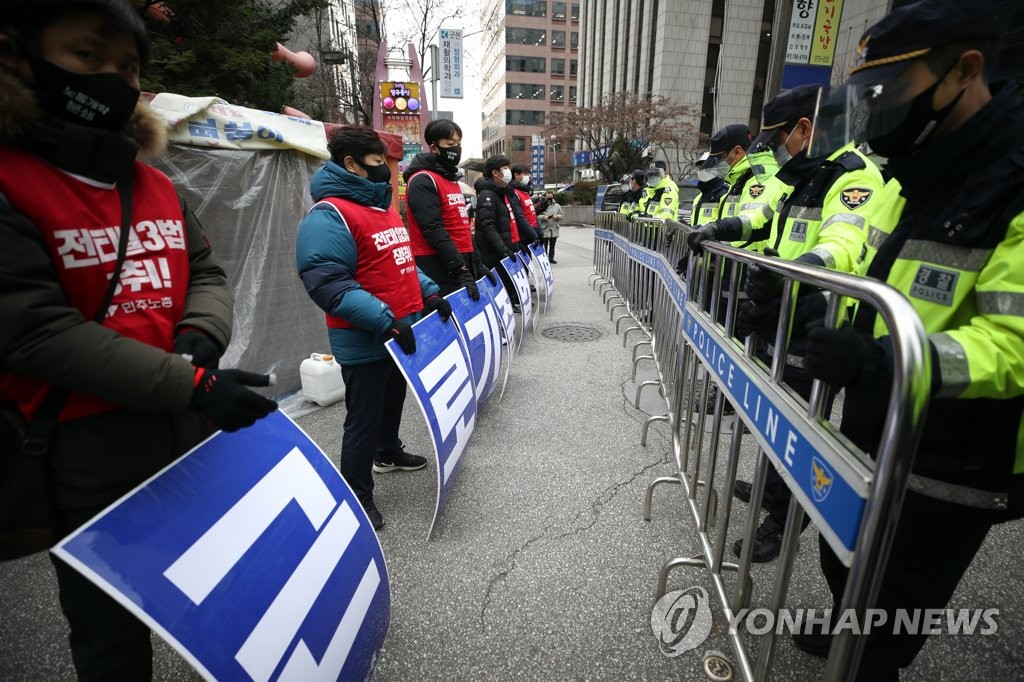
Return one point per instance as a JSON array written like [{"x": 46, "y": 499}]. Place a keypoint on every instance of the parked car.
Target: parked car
[
  {"x": 687, "y": 193},
  {"x": 609, "y": 197}
]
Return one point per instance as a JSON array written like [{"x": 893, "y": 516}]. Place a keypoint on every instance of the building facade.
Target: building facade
[
  {"x": 530, "y": 70},
  {"x": 711, "y": 54}
]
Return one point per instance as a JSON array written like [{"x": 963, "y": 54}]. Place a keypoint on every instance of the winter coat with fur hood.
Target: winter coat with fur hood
[{"x": 44, "y": 338}]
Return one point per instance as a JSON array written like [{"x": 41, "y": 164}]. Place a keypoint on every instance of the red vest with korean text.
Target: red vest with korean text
[
  {"x": 80, "y": 223},
  {"x": 384, "y": 263},
  {"x": 528, "y": 208},
  {"x": 454, "y": 215}
]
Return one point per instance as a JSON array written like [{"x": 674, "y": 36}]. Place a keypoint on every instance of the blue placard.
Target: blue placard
[
  {"x": 251, "y": 556},
  {"x": 517, "y": 271},
  {"x": 545, "y": 267},
  {"x": 481, "y": 328},
  {"x": 441, "y": 378},
  {"x": 833, "y": 500}
]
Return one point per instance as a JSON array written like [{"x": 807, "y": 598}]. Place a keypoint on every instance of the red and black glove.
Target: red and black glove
[
  {"x": 442, "y": 306},
  {"x": 221, "y": 396},
  {"x": 402, "y": 333}
]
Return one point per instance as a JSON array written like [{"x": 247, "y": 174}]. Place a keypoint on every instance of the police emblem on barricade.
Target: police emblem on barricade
[
  {"x": 855, "y": 197},
  {"x": 481, "y": 328},
  {"x": 250, "y": 555},
  {"x": 756, "y": 190},
  {"x": 441, "y": 378},
  {"x": 821, "y": 479}
]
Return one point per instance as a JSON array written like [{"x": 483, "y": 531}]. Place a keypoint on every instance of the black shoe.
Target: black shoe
[
  {"x": 815, "y": 643},
  {"x": 399, "y": 461},
  {"x": 516, "y": 309},
  {"x": 553, "y": 261},
  {"x": 376, "y": 520},
  {"x": 767, "y": 542},
  {"x": 709, "y": 405},
  {"x": 741, "y": 491}
]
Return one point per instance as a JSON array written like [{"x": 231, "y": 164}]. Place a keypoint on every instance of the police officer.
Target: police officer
[
  {"x": 632, "y": 190},
  {"x": 828, "y": 203},
  {"x": 661, "y": 195},
  {"x": 712, "y": 187},
  {"x": 920, "y": 96}
]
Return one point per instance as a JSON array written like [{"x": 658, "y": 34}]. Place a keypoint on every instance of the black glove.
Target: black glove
[
  {"x": 465, "y": 279},
  {"x": 221, "y": 396},
  {"x": 510, "y": 253},
  {"x": 757, "y": 318},
  {"x": 681, "y": 265},
  {"x": 402, "y": 333},
  {"x": 489, "y": 274},
  {"x": 199, "y": 348},
  {"x": 764, "y": 286},
  {"x": 838, "y": 356},
  {"x": 442, "y": 306},
  {"x": 696, "y": 239}
]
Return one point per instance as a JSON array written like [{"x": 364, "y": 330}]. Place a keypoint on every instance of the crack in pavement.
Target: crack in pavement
[{"x": 606, "y": 496}]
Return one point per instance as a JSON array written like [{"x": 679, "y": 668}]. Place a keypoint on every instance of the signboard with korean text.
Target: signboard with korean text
[
  {"x": 400, "y": 115},
  {"x": 537, "y": 160},
  {"x": 481, "y": 328},
  {"x": 212, "y": 122},
  {"x": 545, "y": 268},
  {"x": 516, "y": 270},
  {"x": 250, "y": 556},
  {"x": 451, "y": 62},
  {"x": 811, "y": 44},
  {"x": 441, "y": 377}
]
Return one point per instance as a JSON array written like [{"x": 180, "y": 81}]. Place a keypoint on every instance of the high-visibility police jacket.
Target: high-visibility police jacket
[
  {"x": 829, "y": 211},
  {"x": 707, "y": 203},
  {"x": 662, "y": 200},
  {"x": 630, "y": 201},
  {"x": 746, "y": 200},
  {"x": 957, "y": 253}
]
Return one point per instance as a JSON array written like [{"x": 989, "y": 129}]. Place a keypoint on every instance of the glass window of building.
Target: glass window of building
[
  {"x": 527, "y": 8},
  {"x": 557, "y": 93},
  {"x": 524, "y": 91},
  {"x": 558, "y": 11},
  {"x": 575, "y": 16},
  {"x": 572, "y": 93},
  {"x": 574, "y": 40},
  {"x": 525, "y": 118},
  {"x": 558, "y": 67},
  {"x": 525, "y": 64},
  {"x": 558, "y": 39},
  {"x": 528, "y": 36},
  {"x": 519, "y": 144},
  {"x": 573, "y": 66}
]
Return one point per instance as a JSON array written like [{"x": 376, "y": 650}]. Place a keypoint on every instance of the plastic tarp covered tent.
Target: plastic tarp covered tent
[{"x": 249, "y": 187}]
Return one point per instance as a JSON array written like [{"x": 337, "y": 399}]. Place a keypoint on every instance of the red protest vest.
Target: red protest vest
[
  {"x": 384, "y": 262},
  {"x": 80, "y": 222},
  {"x": 528, "y": 208},
  {"x": 454, "y": 215},
  {"x": 513, "y": 226}
]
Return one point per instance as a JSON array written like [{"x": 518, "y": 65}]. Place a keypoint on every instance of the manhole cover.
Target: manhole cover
[{"x": 572, "y": 333}]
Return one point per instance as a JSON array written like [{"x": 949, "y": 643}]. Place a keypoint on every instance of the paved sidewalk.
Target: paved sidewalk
[{"x": 542, "y": 566}]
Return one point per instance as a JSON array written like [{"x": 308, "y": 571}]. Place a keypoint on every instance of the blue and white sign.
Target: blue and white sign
[
  {"x": 545, "y": 268},
  {"x": 517, "y": 272},
  {"x": 441, "y": 378},
  {"x": 451, "y": 62},
  {"x": 835, "y": 505},
  {"x": 537, "y": 153},
  {"x": 481, "y": 328},
  {"x": 250, "y": 556},
  {"x": 536, "y": 283},
  {"x": 506, "y": 315}
]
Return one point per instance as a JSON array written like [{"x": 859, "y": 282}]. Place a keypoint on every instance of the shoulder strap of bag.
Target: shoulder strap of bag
[{"x": 42, "y": 427}]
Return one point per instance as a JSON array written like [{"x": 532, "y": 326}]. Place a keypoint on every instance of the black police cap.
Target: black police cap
[
  {"x": 733, "y": 135},
  {"x": 785, "y": 109},
  {"x": 912, "y": 30}
]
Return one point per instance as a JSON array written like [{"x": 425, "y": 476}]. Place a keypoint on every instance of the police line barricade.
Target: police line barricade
[
  {"x": 853, "y": 501},
  {"x": 259, "y": 518}
]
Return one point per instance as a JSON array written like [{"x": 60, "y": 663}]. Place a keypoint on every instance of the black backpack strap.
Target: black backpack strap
[{"x": 42, "y": 427}]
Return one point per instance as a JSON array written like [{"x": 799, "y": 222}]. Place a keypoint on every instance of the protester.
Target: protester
[
  {"x": 370, "y": 294},
  {"x": 550, "y": 219},
  {"x": 495, "y": 224},
  {"x": 128, "y": 402}
]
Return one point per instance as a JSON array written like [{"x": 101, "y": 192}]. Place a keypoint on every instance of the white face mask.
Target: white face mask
[
  {"x": 506, "y": 175},
  {"x": 625, "y": 186},
  {"x": 709, "y": 175}
]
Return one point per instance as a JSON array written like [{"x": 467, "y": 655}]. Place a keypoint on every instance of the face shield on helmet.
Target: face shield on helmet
[
  {"x": 653, "y": 176},
  {"x": 866, "y": 108}
]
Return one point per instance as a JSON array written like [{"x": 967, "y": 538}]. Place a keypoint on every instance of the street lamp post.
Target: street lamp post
[{"x": 554, "y": 160}]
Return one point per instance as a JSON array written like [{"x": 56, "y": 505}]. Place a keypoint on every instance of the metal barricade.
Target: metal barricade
[{"x": 852, "y": 499}]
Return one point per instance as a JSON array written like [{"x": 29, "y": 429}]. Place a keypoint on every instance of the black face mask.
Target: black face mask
[
  {"x": 917, "y": 126},
  {"x": 99, "y": 100},
  {"x": 378, "y": 174},
  {"x": 450, "y": 156}
]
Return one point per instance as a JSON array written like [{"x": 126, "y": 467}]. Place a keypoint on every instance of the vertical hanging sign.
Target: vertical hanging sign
[{"x": 451, "y": 62}]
